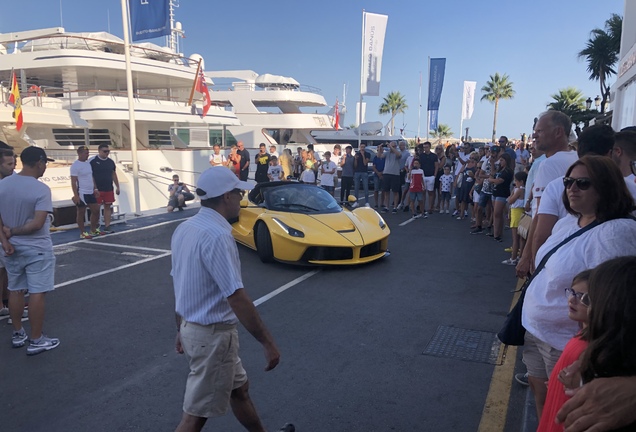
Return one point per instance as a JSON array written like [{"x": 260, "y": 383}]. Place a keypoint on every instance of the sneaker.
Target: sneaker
[
  {"x": 459, "y": 218},
  {"x": 441, "y": 211},
  {"x": 384, "y": 210},
  {"x": 455, "y": 213},
  {"x": 107, "y": 230},
  {"x": 394, "y": 211},
  {"x": 508, "y": 249},
  {"x": 98, "y": 233},
  {"x": 287, "y": 428},
  {"x": 399, "y": 207},
  {"x": 447, "y": 212},
  {"x": 510, "y": 262},
  {"x": 18, "y": 339},
  {"x": 44, "y": 344},
  {"x": 522, "y": 378},
  {"x": 465, "y": 213},
  {"x": 477, "y": 230},
  {"x": 375, "y": 206},
  {"x": 489, "y": 233},
  {"x": 85, "y": 236},
  {"x": 4, "y": 311},
  {"x": 499, "y": 239}
]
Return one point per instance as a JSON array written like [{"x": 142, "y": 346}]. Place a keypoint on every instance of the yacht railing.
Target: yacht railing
[
  {"x": 247, "y": 86},
  {"x": 64, "y": 41}
]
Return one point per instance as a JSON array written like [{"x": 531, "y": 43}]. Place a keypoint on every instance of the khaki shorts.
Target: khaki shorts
[
  {"x": 215, "y": 368},
  {"x": 539, "y": 357}
]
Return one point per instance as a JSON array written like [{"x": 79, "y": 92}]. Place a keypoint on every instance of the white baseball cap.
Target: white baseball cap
[{"x": 215, "y": 181}]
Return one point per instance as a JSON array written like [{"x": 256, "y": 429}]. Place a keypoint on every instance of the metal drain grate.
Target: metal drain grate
[{"x": 464, "y": 344}]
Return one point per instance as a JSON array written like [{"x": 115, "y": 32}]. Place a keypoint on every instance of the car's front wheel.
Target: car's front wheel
[{"x": 264, "y": 246}]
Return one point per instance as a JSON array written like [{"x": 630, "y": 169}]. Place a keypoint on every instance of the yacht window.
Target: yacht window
[
  {"x": 158, "y": 138},
  {"x": 77, "y": 137}
]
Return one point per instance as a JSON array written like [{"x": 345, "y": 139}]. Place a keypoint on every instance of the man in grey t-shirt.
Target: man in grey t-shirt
[
  {"x": 25, "y": 205},
  {"x": 391, "y": 176}
]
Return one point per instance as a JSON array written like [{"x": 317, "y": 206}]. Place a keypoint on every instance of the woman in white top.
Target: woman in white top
[{"x": 594, "y": 192}]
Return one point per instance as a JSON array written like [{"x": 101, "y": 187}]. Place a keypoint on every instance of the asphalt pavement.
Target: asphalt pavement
[{"x": 402, "y": 344}]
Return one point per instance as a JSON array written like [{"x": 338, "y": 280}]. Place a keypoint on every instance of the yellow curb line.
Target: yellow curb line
[{"x": 493, "y": 417}]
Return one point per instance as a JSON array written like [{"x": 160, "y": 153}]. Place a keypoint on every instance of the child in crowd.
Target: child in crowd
[
  {"x": 416, "y": 189},
  {"x": 274, "y": 171},
  {"x": 565, "y": 375},
  {"x": 308, "y": 175},
  {"x": 516, "y": 202},
  {"x": 327, "y": 173},
  {"x": 446, "y": 183}
]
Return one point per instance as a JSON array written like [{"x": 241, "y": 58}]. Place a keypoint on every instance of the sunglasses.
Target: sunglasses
[
  {"x": 582, "y": 183},
  {"x": 105, "y": 151}
]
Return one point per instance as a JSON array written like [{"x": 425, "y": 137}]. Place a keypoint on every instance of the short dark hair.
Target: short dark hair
[
  {"x": 626, "y": 140},
  {"x": 615, "y": 201},
  {"x": 5, "y": 146},
  {"x": 262, "y": 145},
  {"x": 101, "y": 146},
  {"x": 597, "y": 139},
  {"x": 522, "y": 176}
]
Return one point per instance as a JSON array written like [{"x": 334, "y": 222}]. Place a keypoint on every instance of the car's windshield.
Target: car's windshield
[{"x": 300, "y": 198}]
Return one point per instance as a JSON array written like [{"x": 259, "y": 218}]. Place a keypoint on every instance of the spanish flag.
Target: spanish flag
[{"x": 16, "y": 101}]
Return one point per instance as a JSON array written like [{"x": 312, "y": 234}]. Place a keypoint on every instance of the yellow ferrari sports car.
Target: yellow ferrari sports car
[{"x": 301, "y": 223}]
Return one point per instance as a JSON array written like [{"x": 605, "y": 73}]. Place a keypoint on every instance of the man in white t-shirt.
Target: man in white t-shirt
[
  {"x": 217, "y": 158},
  {"x": 327, "y": 172},
  {"x": 7, "y": 167},
  {"x": 624, "y": 153},
  {"x": 273, "y": 152},
  {"x": 551, "y": 136},
  {"x": 84, "y": 190}
]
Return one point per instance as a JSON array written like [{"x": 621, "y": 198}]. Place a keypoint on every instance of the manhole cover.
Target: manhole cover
[{"x": 464, "y": 344}]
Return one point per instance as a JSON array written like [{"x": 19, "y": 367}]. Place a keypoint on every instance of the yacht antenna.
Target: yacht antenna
[
  {"x": 108, "y": 18},
  {"x": 61, "y": 20},
  {"x": 176, "y": 30}
]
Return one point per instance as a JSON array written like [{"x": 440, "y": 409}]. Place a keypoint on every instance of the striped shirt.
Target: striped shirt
[{"x": 205, "y": 269}]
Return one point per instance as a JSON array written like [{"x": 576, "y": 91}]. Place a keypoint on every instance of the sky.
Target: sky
[{"x": 318, "y": 43}]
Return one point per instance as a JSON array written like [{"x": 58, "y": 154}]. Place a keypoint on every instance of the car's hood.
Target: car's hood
[{"x": 344, "y": 223}]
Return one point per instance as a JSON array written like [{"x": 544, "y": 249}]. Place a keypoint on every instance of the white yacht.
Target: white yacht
[
  {"x": 369, "y": 133},
  {"x": 73, "y": 89}
]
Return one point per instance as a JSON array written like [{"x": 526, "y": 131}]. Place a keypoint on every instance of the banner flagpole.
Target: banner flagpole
[
  {"x": 361, "y": 83},
  {"x": 428, "y": 95},
  {"x": 131, "y": 107},
  {"x": 419, "y": 108}
]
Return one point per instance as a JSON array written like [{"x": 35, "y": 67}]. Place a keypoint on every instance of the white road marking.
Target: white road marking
[
  {"x": 130, "y": 247},
  {"x": 408, "y": 221},
  {"x": 94, "y": 275},
  {"x": 136, "y": 254},
  {"x": 285, "y": 287}
]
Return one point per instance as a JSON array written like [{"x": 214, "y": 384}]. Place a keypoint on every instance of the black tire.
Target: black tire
[{"x": 264, "y": 246}]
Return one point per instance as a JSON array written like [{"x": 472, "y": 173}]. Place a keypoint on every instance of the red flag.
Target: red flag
[
  {"x": 337, "y": 116},
  {"x": 202, "y": 88},
  {"x": 16, "y": 101}
]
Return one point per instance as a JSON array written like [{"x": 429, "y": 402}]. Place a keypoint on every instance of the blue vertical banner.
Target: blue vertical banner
[
  {"x": 432, "y": 120},
  {"x": 149, "y": 18},
  {"x": 435, "y": 82}
]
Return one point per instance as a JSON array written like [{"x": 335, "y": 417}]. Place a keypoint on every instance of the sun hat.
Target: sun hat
[{"x": 215, "y": 181}]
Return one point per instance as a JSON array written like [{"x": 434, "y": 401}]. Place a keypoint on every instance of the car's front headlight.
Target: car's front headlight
[
  {"x": 381, "y": 221},
  {"x": 289, "y": 230}
]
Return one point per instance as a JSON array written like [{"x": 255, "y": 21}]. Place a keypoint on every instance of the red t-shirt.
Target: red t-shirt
[
  {"x": 556, "y": 391},
  {"x": 417, "y": 181}
]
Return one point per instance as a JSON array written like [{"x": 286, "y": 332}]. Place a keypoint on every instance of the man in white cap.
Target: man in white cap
[{"x": 209, "y": 302}]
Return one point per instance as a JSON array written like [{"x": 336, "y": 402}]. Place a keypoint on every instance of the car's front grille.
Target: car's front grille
[
  {"x": 321, "y": 253},
  {"x": 371, "y": 249}
]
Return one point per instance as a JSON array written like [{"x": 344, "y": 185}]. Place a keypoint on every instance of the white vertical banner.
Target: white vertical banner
[
  {"x": 361, "y": 113},
  {"x": 468, "y": 101},
  {"x": 372, "y": 47}
]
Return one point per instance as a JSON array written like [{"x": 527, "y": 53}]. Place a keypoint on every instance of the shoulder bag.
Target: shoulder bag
[{"x": 512, "y": 332}]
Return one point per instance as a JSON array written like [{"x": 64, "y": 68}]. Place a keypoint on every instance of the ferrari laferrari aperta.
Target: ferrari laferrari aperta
[{"x": 304, "y": 224}]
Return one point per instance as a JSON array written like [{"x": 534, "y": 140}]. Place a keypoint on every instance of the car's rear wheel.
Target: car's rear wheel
[{"x": 264, "y": 246}]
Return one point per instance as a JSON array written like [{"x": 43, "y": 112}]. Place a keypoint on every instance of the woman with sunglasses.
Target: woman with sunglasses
[{"x": 598, "y": 201}]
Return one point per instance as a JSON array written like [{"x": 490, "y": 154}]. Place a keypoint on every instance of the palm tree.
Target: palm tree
[
  {"x": 442, "y": 131},
  {"x": 571, "y": 102},
  {"x": 601, "y": 53},
  {"x": 498, "y": 87},
  {"x": 394, "y": 104}
]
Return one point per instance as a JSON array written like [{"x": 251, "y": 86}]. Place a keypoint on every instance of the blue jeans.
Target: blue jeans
[{"x": 357, "y": 177}]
